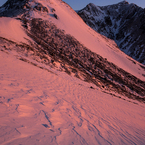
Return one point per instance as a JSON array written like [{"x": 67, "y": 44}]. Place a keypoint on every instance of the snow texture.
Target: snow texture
[
  {"x": 41, "y": 107},
  {"x": 63, "y": 83}
]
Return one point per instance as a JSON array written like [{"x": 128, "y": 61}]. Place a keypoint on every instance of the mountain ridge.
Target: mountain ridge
[{"x": 122, "y": 22}]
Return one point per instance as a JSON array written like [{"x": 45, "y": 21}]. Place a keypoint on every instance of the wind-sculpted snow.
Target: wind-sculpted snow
[
  {"x": 59, "y": 88},
  {"x": 40, "y": 107},
  {"x": 122, "y": 22}
]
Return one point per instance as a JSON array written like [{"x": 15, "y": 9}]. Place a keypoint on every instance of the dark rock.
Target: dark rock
[
  {"x": 40, "y": 7},
  {"x": 55, "y": 16}
]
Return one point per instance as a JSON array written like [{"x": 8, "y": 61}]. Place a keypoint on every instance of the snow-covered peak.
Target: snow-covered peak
[
  {"x": 119, "y": 22},
  {"x": 123, "y": 2},
  {"x": 91, "y": 5}
]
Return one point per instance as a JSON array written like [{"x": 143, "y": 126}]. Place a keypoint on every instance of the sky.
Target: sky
[{"x": 79, "y": 4}]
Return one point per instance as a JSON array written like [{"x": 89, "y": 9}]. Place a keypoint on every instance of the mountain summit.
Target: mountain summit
[{"x": 122, "y": 22}]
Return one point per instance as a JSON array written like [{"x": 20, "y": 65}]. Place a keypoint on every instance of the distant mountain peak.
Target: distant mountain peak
[
  {"x": 123, "y": 2},
  {"x": 91, "y": 4},
  {"x": 122, "y": 22}
]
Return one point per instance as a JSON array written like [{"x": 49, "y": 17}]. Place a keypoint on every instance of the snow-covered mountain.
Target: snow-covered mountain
[
  {"x": 122, "y": 22},
  {"x": 63, "y": 83}
]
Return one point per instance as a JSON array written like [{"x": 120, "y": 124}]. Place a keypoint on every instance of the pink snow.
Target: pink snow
[
  {"x": 40, "y": 107},
  {"x": 51, "y": 107},
  {"x": 11, "y": 28},
  {"x": 74, "y": 25}
]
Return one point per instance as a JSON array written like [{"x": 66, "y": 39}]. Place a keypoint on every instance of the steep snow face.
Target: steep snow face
[
  {"x": 51, "y": 107},
  {"x": 65, "y": 18},
  {"x": 87, "y": 50},
  {"x": 58, "y": 32},
  {"x": 122, "y": 22},
  {"x": 12, "y": 29},
  {"x": 69, "y": 21},
  {"x": 53, "y": 47}
]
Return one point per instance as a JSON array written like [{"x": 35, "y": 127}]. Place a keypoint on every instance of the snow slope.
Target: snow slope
[
  {"x": 11, "y": 28},
  {"x": 71, "y": 23},
  {"x": 41, "y": 107}
]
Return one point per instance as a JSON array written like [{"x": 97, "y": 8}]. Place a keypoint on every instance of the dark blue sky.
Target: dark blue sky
[
  {"x": 2, "y": 1},
  {"x": 79, "y": 4}
]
